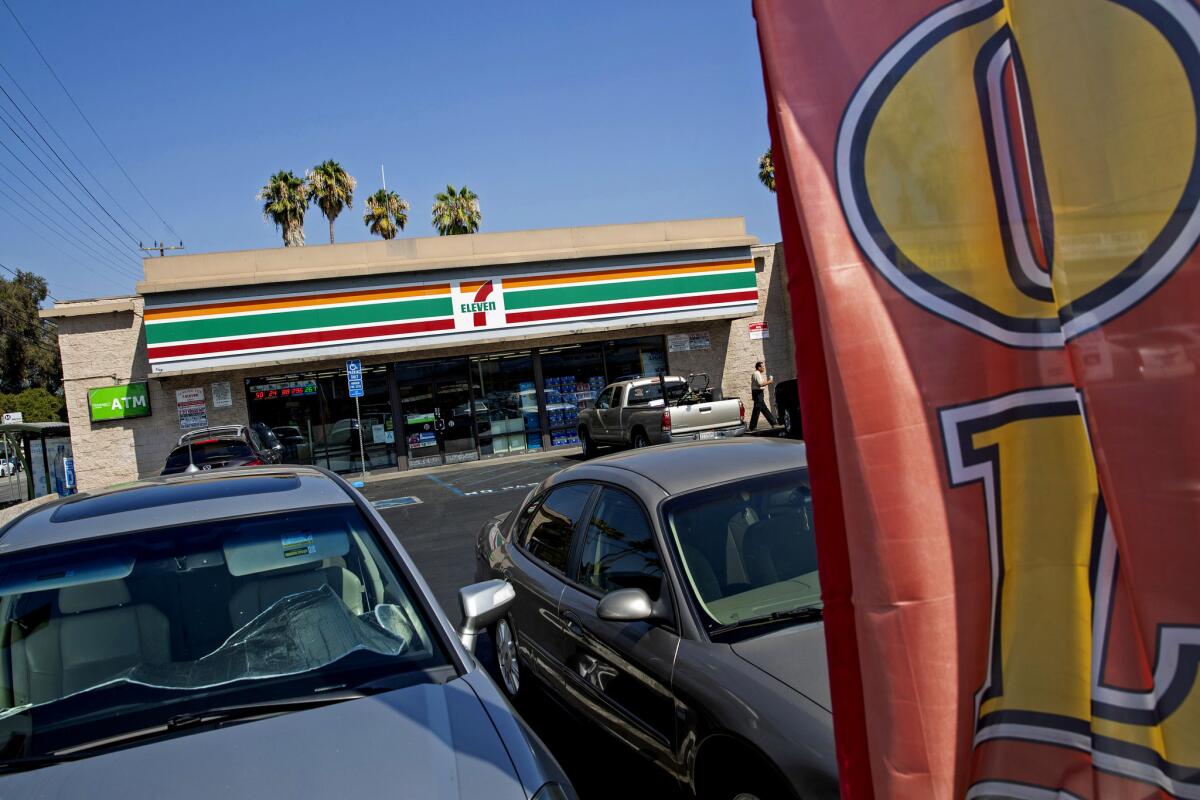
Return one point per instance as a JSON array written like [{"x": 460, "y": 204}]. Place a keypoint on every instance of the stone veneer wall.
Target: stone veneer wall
[{"x": 106, "y": 348}]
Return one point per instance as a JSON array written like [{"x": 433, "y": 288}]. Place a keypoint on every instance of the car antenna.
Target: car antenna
[{"x": 191, "y": 467}]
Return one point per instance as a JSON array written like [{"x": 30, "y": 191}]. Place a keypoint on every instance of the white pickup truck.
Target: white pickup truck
[{"x": 635, "y": 413}]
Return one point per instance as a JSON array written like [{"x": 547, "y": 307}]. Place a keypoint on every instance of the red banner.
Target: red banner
[{"x": 990, "y": 221}]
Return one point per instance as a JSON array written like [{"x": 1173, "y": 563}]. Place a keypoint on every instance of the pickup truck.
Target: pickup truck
[{"x": 634, "y": 412}]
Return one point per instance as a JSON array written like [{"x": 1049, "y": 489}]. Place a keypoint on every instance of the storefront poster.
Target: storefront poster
[
  {"x": 222, "y": 394},
  {"x": 193, "y": 411},
  {"x": 759, "y": 330},
  {"x": 682, "y": 342}
]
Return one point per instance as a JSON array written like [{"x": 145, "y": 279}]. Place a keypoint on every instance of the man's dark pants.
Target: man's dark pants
[{"x": 760, "y": 407}]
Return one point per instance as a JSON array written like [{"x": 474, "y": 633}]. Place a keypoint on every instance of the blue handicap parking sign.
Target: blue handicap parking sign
[{"x": 354, "y": 377}]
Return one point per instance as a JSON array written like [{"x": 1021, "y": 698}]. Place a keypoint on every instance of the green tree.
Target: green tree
[
  {"x": 456, "y": 211},
  {"x": 387, "y": 214},
  {"x": 35, "y": 405},
  {"x": 766, "y": 170},
  {"x": 28, "y": 345},
  {"x": 331, "y": 189},
  {"x": 284, "y": 200}
]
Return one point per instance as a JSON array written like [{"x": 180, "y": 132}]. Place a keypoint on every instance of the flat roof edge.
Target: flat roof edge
[
  {"x": 83, "y": 308},
  {"x": 405, "y": 265}
]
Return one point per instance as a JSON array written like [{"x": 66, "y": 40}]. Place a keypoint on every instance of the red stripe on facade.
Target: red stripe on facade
[
  {"x": 658, "y": 304},
  {"x": 291, "y": 339}
]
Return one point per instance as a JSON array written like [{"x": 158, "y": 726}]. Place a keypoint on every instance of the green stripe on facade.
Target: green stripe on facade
[
  {"x": 302, "y": 319},
  {"x": 628, "y": 290}
]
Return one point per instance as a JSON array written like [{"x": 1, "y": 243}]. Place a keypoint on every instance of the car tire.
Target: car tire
[
  {"x": 787, "y": 422},
  {"x": 506, "y": 658},
  {"x": 587, "y": 443},
  {"x": 640, "y": 439},
  {"x": 745, "y": 787}
]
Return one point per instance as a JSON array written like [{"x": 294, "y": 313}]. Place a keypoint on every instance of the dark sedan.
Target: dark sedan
[{"x": 671, "y": 595}]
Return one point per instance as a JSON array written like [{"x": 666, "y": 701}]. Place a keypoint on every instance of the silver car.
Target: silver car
[
  {"x": 249, "y": 633},
  {"x": 670, "y": 594}
]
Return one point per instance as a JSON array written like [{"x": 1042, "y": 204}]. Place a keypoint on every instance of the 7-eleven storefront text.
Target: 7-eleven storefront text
[{"x": 471, "y": 347}]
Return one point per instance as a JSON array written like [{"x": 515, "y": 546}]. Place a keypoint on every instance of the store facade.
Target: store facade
[{"x": 472, "y": 347}]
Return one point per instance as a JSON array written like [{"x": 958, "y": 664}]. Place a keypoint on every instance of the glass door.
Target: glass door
[{"x": 436, "y": 416}]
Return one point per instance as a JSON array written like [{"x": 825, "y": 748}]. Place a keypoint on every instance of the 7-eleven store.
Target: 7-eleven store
[{"x": 472, "y": 347}]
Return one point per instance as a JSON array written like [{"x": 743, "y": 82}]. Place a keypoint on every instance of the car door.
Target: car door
[
  {"x": 620, "y": 669},
  {"x": 537, "y": 568},
  {"x": 604, "y": 410}
]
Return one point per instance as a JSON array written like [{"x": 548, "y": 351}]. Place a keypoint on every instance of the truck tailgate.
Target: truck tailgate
[{"x": 705, "y": 416}]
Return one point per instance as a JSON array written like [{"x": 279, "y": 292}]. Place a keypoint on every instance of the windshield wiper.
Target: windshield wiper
[
  {"x": 799, "y": 614},
  {"x": 210, "y": 716}
]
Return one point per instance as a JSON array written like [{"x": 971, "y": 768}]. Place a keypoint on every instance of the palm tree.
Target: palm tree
[
  {"x": 284, "y": 199},
  {"x": 456, "y": 211},
  {"x": 330, "y": 188},
  {"x": 386, "y": 214},
  {"x": 766, "y": 170}
]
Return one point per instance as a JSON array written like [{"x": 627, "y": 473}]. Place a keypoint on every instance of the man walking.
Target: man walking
[{"x": 759, "y": 381}]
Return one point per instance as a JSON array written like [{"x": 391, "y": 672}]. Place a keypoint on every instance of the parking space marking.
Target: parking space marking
[
  {"x": 445, "y": 485},
  {"x": 500, "y": 489},
  {"x": 397, "y": 501}
]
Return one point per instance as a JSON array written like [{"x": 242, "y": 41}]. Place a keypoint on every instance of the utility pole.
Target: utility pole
[{"x": 161, "y": 247}]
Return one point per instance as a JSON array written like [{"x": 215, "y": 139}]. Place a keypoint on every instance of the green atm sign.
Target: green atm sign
[{"x": 119, "y": 402}]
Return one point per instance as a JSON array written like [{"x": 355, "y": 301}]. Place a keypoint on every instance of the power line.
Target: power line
[
  {"x": 84, "y": 245},
  {"x": 50, "y": 242},
  {"x": 14, "y": 273},
  {"x": 89, "y": 122},
  {"x": 71, "y": 150},
  {"x": 4, "y": 117},
  {"x": 65, "y": 166},
  {"x": 38, "y": 178}
]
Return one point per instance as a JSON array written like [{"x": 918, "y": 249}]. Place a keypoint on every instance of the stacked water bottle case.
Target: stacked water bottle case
[{"x": 565, "y": 396}]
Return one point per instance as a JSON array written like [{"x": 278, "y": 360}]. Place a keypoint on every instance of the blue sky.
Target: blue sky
[{"x": 553, "y": 113}]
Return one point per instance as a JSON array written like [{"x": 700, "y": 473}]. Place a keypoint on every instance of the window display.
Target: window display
[
  {"x": 506, "y": 403},
  {"x": 573, "y": 375}
]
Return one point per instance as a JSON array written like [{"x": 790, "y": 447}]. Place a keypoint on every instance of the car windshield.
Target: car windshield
[
  {"x": 102, "y": 638},
  {"x": 747, "y": 548},
  {"x": 213, "y": 450}
]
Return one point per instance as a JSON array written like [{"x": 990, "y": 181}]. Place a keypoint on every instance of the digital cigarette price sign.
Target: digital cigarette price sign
[{"x": 283, "y": 391}]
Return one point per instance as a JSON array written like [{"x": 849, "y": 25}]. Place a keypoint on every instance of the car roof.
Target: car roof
[
  {"x": 692, "y": 465},
  {"x": 172, "y": 501}
]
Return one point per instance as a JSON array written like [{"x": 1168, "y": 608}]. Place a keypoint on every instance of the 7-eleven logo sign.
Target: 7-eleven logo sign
[{"x": 478, "y": 304}]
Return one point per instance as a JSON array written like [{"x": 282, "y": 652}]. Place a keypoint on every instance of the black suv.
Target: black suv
[{"x": 215, "y": 448}]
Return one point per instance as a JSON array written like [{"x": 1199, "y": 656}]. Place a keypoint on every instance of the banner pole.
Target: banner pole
[{"x": 362, "y": 458}]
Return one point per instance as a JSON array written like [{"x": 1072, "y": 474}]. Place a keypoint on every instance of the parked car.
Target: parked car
[
  {"x": 252, "y": 633},
  {"x": 296, "y": 448},
  {"x": 671, "y": 595},
  {"x": 635, "y": 413},
  {"x": 787, "y": 406},
  {"x": 269, "y": 440},
  {"x": 257, "y": 434},
  {"x": 9, "y": 466},
  {"x": 218, "y": 448}
]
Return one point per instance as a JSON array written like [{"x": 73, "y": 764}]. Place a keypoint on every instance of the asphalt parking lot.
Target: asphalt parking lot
[{"x": 436, "y": 515}]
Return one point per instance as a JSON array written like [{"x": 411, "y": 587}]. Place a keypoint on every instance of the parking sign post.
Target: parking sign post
[{"x": 354, "y": 382}]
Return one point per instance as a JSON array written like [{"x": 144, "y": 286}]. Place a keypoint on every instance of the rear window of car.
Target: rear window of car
[
  {"x": 648, "y": 393},
  {"x": 203, "y": 452}
]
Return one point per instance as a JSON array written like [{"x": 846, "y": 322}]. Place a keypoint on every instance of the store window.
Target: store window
[
  {"x": 572, "y": 376},
  {"x": 630, "y": 358},
  {"x": 370, "y": 424},
  {"x": 506, "y": 404},
  {"x": 291, "y": 407}
]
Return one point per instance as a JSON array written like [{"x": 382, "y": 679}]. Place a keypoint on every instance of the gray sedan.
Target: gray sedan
[
  {"x": 671, "y": 595},
  {"x": 245, "y": 633}
]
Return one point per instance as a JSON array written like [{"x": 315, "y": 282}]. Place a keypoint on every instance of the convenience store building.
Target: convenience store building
[{"x": 472, "y": 347}]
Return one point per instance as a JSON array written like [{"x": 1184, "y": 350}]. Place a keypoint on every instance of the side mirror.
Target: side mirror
[
  {"x": 481, "y": 605},
  {"x": 625, "y": 605}
]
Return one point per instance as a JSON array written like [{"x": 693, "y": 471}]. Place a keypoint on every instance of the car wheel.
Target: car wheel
[
  {"x": 640, "y": 439},
  {"x": 787, "y": 422},
  {"x": 586, "y": 443},
  {"x": 508, "y": 664}
]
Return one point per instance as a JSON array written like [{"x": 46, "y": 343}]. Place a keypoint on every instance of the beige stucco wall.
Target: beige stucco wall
[{"x": 104, "y": 344}]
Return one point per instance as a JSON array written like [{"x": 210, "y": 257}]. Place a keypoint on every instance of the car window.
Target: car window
[
  {"x": 214, "y": 450},
  {"x": 618, "y": 396},
  {"x": 548, "y": 534},
  {"x": 618, "y": 550},
  {"x": 605, "y": 400},
  {"x": 748, "y": 547},
  {"x": 255, "y": 439},
  {"x": 650, "y": 392},
  {"x": 103, "y": 637}
]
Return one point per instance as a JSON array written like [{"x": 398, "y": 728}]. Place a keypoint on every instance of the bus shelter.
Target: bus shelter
[{"x": 35, "y": 460}]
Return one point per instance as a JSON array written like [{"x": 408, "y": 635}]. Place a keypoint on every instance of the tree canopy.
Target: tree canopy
[
  {"x": 766, "y": 170},
  {"x": 331, "y": 189},
  {"x": 284, "y": 199},
  {"x": 35, "y": 405},
  {"x": 386, "y": 214},
  {"x": 28, "y": 345},
  {"x": 456, "y": 211}
]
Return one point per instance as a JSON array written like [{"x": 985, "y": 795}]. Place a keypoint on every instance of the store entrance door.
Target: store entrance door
[{"x": 436, "y": 416}]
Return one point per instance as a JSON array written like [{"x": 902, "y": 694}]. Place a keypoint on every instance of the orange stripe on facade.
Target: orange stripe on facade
[
  {"x": 302, "y": 301},
  {"x": 532, "y": 281}
]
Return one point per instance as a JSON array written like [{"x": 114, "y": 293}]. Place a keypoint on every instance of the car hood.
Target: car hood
[
  {"x": 795, "y": 656},
  {"x": 429, "y": 741}
]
